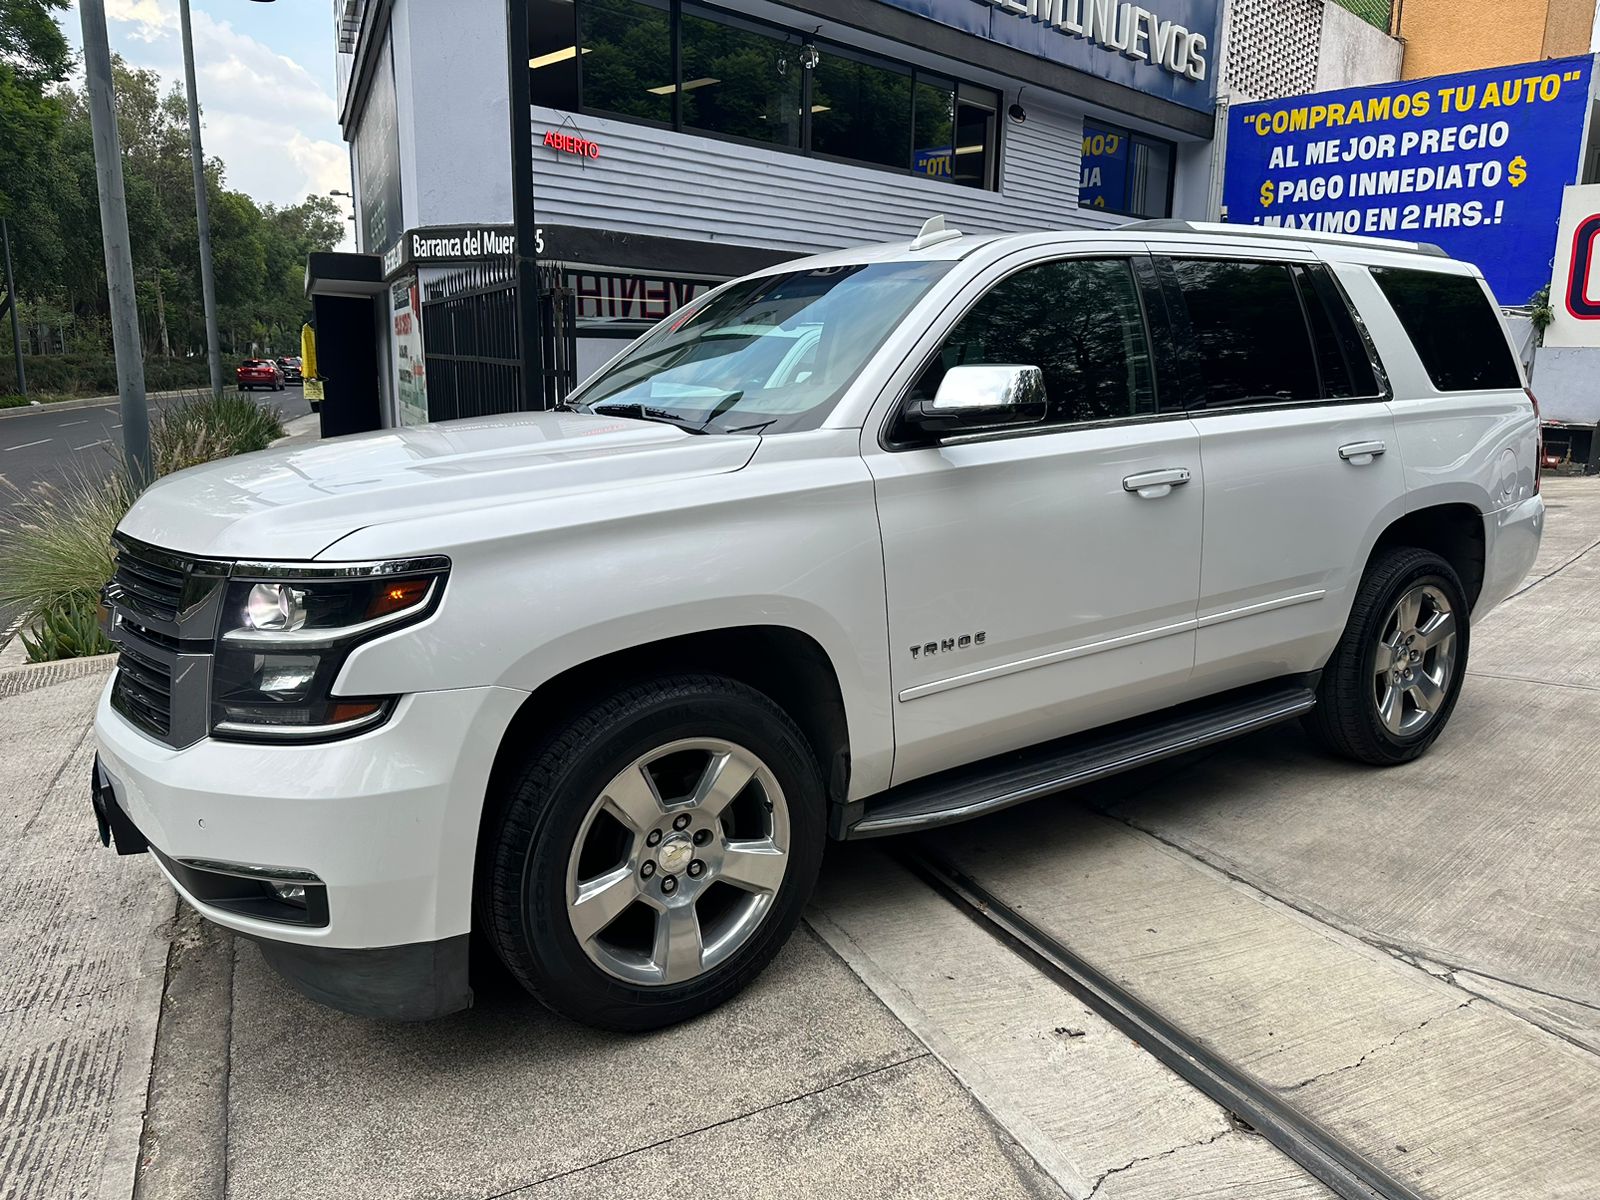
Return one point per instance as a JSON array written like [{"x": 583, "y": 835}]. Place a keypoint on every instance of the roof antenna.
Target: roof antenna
[{"x": 933, "y": 232}]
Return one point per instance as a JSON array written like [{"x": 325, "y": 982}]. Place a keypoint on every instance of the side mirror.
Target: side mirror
[{"x": 977, "y": 399}]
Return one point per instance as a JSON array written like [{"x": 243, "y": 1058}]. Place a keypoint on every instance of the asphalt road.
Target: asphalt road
[{"x": 50, "y": 445}]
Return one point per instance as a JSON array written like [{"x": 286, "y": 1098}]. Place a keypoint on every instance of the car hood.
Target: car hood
[{"x": 294, "y": 502}]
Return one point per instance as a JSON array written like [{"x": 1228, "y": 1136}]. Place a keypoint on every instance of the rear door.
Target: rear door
[{"x": 1298, "y": 446}]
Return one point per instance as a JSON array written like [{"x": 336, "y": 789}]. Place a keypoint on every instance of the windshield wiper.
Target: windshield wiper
[
  {"x": 756, "y": 428},
  {"x": 645, "y": 413}
]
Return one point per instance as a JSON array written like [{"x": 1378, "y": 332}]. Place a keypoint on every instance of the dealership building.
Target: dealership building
[{"x": 672, "y": 144}]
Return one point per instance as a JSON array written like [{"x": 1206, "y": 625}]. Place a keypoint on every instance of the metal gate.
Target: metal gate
[{"x": 469, "y": 330}]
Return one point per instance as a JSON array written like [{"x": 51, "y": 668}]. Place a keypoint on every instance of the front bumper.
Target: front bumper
[{"x": 387, "y": 821}]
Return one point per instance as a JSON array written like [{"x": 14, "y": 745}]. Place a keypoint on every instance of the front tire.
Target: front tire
[
  {"x": 1392, "y": 683},
  {"x": 647, "y": 861}
]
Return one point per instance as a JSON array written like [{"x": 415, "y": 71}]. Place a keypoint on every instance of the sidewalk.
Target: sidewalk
[
  {"x": 301, "y": 430},
  {"x": 83, "y": 943},
  {"x": 805, "y": 1085}
]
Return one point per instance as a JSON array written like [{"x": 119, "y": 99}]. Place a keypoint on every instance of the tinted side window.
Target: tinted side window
[
  {"x": 1078, "y": 321},
  {"x": 1454, "y": 328},
  {"x": 1251, "y": 344},
  {"x": 1344, "y": 359}
]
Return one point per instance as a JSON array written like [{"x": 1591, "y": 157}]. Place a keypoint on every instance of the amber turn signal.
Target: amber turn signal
[{"x": 397, "y": 595}]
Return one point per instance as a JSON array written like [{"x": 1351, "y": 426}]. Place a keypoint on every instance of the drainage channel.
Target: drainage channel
[{"x": 1342, "y": 1169}]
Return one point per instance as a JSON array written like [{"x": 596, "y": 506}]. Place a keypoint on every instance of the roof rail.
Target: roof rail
[{"x": 1401, "y": 246}]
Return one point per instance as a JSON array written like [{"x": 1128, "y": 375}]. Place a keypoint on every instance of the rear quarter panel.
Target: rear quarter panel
[
  {"x": 1478, "y": 448},
  {"x": 1475, "y": 448}
]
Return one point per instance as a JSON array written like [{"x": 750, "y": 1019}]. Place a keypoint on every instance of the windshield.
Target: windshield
[{"x": 765, "y": 354}]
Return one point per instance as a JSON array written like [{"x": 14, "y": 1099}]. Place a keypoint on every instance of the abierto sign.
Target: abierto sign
[
  {"x": 1575, "y": 281},
  {"x": 1475, "y": 162}
]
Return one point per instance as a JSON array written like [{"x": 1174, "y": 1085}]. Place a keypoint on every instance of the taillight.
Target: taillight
[{"x": 1538, "y": 454}]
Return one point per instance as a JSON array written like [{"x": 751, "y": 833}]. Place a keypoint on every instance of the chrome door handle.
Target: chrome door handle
[
  {"x": 1359, "y": 454},
  {"x": 1152, "y": 485}
]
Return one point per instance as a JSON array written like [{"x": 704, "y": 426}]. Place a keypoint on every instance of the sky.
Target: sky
[{"x": 265, "y": 76}]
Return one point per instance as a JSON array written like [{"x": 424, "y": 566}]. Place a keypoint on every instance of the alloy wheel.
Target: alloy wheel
[
  {"x": 1415, "y": 660},
  {"x": 677, "y": 861}
]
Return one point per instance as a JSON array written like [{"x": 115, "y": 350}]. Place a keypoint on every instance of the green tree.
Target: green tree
[{"x": 48, "y": 190}]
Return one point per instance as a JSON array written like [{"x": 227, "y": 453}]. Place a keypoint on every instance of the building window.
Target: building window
[
  {"x": 553, "y": 52},
  {"x": 625, "y": 58},
  {"x": 741, "y": 80},
  {"x": 689, "y": 66},
  {"x": 860, "y": 108},
  {"x": 977, "y": 122},
  {"x": 1123, "y": 172},
  {"x": 933, "y": 124}
]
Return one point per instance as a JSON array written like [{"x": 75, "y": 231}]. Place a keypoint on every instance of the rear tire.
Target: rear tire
[
  {"x": 1388, "y": 691},
  {"x": 645, "y": 862}
]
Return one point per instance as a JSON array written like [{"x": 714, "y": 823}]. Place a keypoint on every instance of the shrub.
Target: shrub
[
  {"x": 69, "y": 629},
  {"x": 57, "y": 552},
  {"x": 202, "y": 428},
  {"x": 55, "y": 555},
  {"x": 95, "y": 374}
]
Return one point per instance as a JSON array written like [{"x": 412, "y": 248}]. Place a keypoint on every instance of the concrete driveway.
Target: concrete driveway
[{"x": 1406, "y": 955}]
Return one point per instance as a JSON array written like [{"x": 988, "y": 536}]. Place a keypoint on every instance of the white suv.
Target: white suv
[{"x": 864, "y": 543}]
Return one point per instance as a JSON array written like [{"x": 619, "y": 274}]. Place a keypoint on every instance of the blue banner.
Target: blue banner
[
  {"x": 1166, "y": 48},
  {"x": 1474, "y": 162}
]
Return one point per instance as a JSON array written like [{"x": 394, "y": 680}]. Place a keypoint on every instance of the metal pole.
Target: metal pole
[
  {"x": 16, "y": 321},
  {"x": 114, "y": 233},
  {"x": 202, "y": 207},
  {"x": 520, "y": 93}
]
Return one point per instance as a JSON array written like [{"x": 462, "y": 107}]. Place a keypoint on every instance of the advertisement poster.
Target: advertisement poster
[
  {"x": 1575, "y": 282},
  {"x": 1103, "y": 174},
  {"x": 411, "y": 370},
  {"x": 1475, "y": 162}
]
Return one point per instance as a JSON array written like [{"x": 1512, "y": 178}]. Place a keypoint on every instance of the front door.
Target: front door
[{"x": 1044, "y": 580}]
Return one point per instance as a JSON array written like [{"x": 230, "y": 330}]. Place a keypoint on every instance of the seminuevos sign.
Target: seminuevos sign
[
  {"x": 1163, "y": 50},
  {"x": 1475, "y": 162}
]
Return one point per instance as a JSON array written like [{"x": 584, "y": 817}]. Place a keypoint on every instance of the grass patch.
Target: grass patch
[{"x": 55, "y": 554}]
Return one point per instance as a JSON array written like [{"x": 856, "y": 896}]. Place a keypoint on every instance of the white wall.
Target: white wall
[
  {"x": 1352, "y": 53},
  {"x": 455, "y": 139},
  {"x": 1563, "y": 379},
  {"x": 653, "y": 181}
]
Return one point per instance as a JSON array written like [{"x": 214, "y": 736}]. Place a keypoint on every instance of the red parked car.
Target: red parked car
[{"x": 259, "y": 372}]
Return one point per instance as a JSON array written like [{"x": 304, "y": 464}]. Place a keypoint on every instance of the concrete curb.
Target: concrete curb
[
  {"x": 301, "y": 430},
  {"x": 91, "y": 402},
  {"x": 27, "y": 677}
]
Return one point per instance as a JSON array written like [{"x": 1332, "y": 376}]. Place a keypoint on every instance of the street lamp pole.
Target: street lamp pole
[
  {"x": 114, "y": 234},
  {"x": 202, "y": 207},
  {"x": 520, "y": 94}
]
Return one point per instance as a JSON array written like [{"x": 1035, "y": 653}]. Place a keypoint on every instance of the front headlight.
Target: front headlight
[{"x": 286, "y": 632}]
